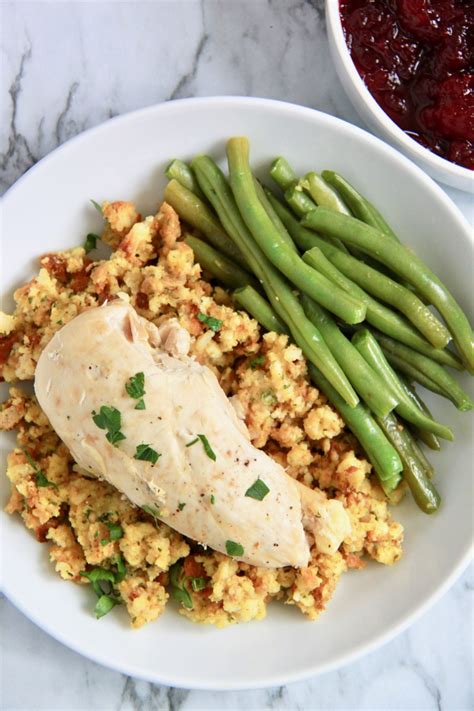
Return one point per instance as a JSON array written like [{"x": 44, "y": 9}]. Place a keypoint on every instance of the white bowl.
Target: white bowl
[
  {"x": 375, "y": 117},
  {"x": 49, "y": 209}
]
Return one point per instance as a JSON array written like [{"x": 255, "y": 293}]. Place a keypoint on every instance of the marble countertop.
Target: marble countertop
[{"x": 67, "y": 66}]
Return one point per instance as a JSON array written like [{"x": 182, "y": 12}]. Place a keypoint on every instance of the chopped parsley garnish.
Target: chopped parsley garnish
[
  {"x": 104, "y": 542},
  {"x": 198, "y": 583},
  {"x": 207, "y": 447},
  {"x": 91, "y": 242},
  {"x": 146, "y": 453},
  {"x": 115, "y": 437},
  {"x": 97, "y": 207},
  {"x": 115, "y": 531},
  {"x": 269, "y": 397},
  {"x": 234, "y": 548},
  {"x": 140, "y": 405},
  {"x": 214, "y": 324},
  {"x": 205, "y": 443},
  {"x": 102, "y": 580},
  {"x": 40, "y": 477},
  {"x": 121, "y": 569},
  {"x": 178, "y": 589},
  {"x": 151, "y": 512},
  {"x": 257, "y": 362},
  {"x": 258, "y": 490},
  {"x": 213, "y": 499},
  {"x": 110, "y": 419},
  {"x": 181, "y": 506},
  {"x": 135, "y": 386},
  {"x": 105, "y": 603}
]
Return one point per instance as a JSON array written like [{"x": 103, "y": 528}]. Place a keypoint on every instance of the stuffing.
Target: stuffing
[{"x": 96, "y": 537}]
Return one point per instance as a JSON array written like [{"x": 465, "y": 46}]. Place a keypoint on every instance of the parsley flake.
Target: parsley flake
[
  {"x": 116, "y": 531},
  {"x": 40, "y": 477},
  {"x": 135, "y": 386},
  {"x": 258, "y": 490},
  {"x": 198, "y": 584},
  {"x": 181, "y": 506},
  {"x": 90, "y": 242},
  {"x": 205, "y": 443},
  {"x": 213, "y": 499},
  {"x": 105, "y": 603},
  {"x": 257, "y": 362},
  {"x": 121, "y": 569},
  {"x": 269, "y": 397},
  {"x": 214, "y": 324},
  {"x": 102, "y": 580},
  {"x": 110, "y": 419},
  {"x": 140, "y": 405},
  {"x": 207, "y": 447},
  {"x": 234, "y": 548},
  {"x": 178, "y": 589},
  {"x": 146, "y": 453},
  {"x": 97, "y": 207},
  {"x": 115, "y": 437}
]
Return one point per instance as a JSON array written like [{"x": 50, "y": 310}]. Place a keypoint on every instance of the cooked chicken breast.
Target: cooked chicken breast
[{"x": 135, "y": 410}]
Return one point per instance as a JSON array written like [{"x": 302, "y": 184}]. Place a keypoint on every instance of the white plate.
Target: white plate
[{"x": 124, "y": 159}]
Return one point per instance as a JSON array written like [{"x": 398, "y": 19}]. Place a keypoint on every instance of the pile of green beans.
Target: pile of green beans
[
  {"x": 317, "y": 270},
  {"x": 281, "y": 296},
  {"x": 404, "y": 263},
  {"x": 219, "y": 266}
]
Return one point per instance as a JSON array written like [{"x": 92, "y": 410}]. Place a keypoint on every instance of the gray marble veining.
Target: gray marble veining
[{"x": 67, "y": 66}]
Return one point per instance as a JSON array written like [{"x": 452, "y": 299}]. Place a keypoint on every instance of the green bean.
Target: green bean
[
  {"x": 362, "y": 209},
  {"x": 300, "y": 203},
  {"x": 193, "y": 211},
  {"x": 281, "y": 296},
  {"x": 219, "y": 266},
  {"x": 423, "y": 490},
  {"x": 282, "y": 173},
  {"x": 278, "y": 224},
  {"x": 322, "y": 193},
  {"x": 366, "y": 382},
  {"x": 426, "y": 437},
  {"x": 368, "y": 347},
  {"x": 432, "y": 370},
  {"x": 380, "y": 452},
  {"x": 275, "y": 248},
  {"x": 400, "y": 260},
  {"x": 422, "y": 458},
  {"x": 378, "y": 315},
  {"x": 259, "y": 308},
  {"x": 182, "y": 172},
  {"x": 416, "y": 375},
  {"x": 298, "y": 200},
  {"x": 386, "y": 289},
  {"x": 360, "y": 206}
]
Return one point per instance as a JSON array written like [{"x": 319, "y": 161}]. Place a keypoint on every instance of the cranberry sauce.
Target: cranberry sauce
[{"x": 417, "y": 59}]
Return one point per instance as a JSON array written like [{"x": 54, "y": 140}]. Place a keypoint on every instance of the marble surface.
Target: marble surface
[{"x": 67, "y": 66}]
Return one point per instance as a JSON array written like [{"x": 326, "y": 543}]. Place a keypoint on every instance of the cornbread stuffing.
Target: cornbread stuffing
[{"x": 96, "y": 537}]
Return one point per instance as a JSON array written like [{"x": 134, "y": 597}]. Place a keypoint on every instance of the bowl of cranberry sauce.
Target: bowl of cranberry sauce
[{"x": 408, "y": 66}]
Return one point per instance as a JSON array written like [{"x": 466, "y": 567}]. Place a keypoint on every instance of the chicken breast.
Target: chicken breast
[{"x": 135, "y": 410}]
